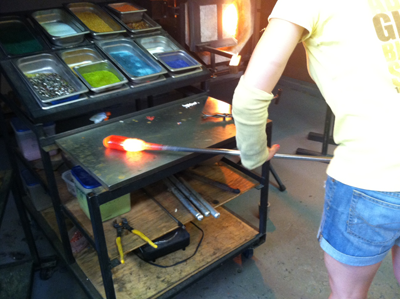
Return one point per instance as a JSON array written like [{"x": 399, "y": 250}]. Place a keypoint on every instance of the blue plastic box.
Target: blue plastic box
[
  {"x": 26, "y": 139},
  {"x": 40, "y": 199},
  {"x": 85, "y": 184}
]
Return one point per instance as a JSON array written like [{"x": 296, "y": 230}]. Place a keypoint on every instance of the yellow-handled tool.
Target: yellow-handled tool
[
  {"x": 118, "y": 240},
  {"x": 126, "y": 225}
]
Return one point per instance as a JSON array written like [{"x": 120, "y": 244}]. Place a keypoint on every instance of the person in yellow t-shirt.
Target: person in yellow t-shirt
[{"x": 353, "y": 53}]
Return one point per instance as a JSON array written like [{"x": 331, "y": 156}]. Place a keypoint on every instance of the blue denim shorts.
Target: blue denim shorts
[{"x": 358, "y": 226}]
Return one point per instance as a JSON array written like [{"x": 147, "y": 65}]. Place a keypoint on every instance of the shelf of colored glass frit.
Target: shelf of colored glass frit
[
  {"x": 133, "y": 64},
  {"x": 93, "y": 22},
  {"x": 100, "y": 78},
  {"x": 16, "y": 39},
  {"x": 58, "y": 29}
]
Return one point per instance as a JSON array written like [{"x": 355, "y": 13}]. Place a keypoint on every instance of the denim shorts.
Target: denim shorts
[{"x": 358, "y": 226}]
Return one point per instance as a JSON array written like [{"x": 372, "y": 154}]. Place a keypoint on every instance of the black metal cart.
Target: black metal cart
[{"x": 96, "y": 269}]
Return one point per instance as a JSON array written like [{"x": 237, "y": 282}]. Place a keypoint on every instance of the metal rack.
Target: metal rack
[{"x": 57, "y": 232}]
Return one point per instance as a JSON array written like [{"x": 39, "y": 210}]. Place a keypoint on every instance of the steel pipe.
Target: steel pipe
[
  {"x": 183, "y": 200},
  {"x": 181, "y": 187},
  {"x": 213, "y": 211}
]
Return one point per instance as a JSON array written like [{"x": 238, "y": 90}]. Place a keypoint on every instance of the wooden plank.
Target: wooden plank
[
  {"x": 222, "y": 173},
  {"x": 147, "y": 216},
  {"x": 137, "y": 279}
]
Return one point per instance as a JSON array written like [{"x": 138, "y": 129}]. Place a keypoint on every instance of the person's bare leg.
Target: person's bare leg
[
  {"x": 349, "y": 282},
  {"x": 396, "y": 261}
]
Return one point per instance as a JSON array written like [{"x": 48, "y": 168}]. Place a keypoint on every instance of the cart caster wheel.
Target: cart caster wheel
[{"x": 248, "y": 253}]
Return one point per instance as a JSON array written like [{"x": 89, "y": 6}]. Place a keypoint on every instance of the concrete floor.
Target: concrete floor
[{"x": 290, "y": 264}]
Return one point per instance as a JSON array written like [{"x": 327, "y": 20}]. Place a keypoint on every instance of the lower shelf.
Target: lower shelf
[
  {"x": 138, "y": 279},
  {"x": 147, "y": 216}
]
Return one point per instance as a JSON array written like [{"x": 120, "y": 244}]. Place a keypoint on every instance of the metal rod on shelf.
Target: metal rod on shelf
[
  {"x": 190, "y": 196},
  {"x": 183, "y": 200},
  {"x": 211, "y": 182},
  {"x": 213, "y": 212}
]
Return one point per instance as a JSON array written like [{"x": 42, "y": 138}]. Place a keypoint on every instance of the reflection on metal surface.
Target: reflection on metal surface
[{"x": 86, "y": 148}]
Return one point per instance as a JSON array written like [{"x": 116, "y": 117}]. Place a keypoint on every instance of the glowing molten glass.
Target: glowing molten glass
[
  {"x": 125, "y": 143},
  {"x": 230, "y": 20}
]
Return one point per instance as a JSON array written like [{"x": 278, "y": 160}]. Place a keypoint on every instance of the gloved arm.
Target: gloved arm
[
  {"x": 250, "y": 114},
  {"x": 252, "y": 98}
]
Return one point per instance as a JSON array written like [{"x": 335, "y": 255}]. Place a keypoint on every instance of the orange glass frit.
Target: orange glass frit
[{"x": 125, "y": 143}]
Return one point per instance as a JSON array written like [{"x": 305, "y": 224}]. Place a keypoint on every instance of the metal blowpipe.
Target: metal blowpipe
[
  {"x": 236, "y": 153},
  {"x": 135, "y": 145}
]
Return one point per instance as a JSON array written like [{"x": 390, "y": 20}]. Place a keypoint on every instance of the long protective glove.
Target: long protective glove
[{"x": 250, "y": 114}]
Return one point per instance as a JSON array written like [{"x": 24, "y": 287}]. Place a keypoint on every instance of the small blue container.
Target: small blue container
[
  {"x": 40, "y": 199},
  {"x": 85, "y": 184},
  {"x": 26, "y": 139}
]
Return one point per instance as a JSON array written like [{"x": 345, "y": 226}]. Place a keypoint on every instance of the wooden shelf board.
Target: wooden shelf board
[
  {"x": 137, "y": 279},
  {"x": 223, "y": 173},
  {"x": 146, "y": 216}
]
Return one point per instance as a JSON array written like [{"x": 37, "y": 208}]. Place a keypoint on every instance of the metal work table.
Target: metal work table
[
  {"x": 120, "y": 172},
  {"x": 169, "y": 124}
]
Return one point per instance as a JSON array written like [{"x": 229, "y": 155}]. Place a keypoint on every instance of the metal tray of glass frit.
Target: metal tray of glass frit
[
  {"x": 134, "y": 15},
  {"x": 17, "y": 37},
  {"x": 103, "y": 65},
  {"x": 47, "y": 63},
  {"x": 80, "y": 56},
  {"x": 169, "y": 60},
  {"x": 136, "y": 72},
  {"x": 149, "y": 22},
  {"x": 60, "y": 27},
  {"x": 96, "y": 18},
  {"x": 157, "y": 44}
]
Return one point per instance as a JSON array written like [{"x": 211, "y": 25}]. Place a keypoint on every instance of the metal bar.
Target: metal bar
[
  {"x": 233, "y": 152},
  {"x": 79, "y": 227},
  {"x": 213, "y": 212},
  {"x": 55, "y": 198},
  {"x": 212, "y": 182},
  {"x": 183, "y": 200},
  {"x": 55, "y": 242},
  {"x": 303, "y": 157},
  {"x": 101, "y": 247},
  {"x": 180, "y": 224},
  {"x": 277, "y": 179},
  {"x": 216, "y": 51},
  {"x": 189, "y": 194},
  {"x": 16, "y": 187},
  {"x": 327, "y": 130},
  {"x": 26, "y": 226},
  {"x": 264, "y": 198}
]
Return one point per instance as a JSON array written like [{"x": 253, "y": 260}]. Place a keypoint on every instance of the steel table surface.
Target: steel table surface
[{"x": 173, "y": 124}]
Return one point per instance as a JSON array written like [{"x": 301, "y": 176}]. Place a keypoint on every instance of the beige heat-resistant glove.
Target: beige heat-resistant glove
[{"x": 250, "y": 113}]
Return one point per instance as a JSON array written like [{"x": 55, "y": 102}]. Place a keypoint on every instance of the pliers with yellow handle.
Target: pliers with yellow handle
[
  {"x": 118, "y": 240},
  {"x": 126, "y": 225}
]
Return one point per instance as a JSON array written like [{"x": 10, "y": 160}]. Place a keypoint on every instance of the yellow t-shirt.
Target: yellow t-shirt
[{"x": 353, "y": 53}]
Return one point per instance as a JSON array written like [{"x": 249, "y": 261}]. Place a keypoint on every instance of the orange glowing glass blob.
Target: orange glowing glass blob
[
  {"x": 230, "y": 20},
  {"x": 125, "y": 143}
]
